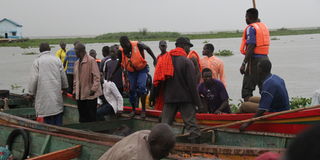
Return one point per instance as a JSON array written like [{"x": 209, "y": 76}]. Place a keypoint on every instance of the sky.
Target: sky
[{"x": 94, "y": 17}]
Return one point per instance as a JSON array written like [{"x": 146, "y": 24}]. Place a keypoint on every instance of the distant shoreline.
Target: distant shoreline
[{"x": 145, "y": 35}]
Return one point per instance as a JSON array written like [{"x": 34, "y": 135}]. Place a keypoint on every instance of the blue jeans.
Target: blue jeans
[
  {"x": 105, "y": 109},
  {"x": 137, "y": 80},
  {"x": 54, "y": 120}
]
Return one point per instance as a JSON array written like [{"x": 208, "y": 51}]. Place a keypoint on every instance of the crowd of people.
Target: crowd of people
[{"x": 182, "y": 82}]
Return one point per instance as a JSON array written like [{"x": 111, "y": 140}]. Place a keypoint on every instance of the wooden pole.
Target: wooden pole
[
  {"x": 254, "y": 3},
  {"x": 253, "y": 119}
]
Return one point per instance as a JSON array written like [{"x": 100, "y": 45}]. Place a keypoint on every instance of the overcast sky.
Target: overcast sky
[{"x": 94, "y": 17}]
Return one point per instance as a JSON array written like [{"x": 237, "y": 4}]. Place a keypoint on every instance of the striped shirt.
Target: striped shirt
[{"x": 70, "y": 59}]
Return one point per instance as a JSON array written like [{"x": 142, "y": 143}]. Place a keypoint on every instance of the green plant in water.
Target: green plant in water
[
  {"x": 29, "y": 53},
  {"x": 224, "y": 53},
  {"x": 275, "y": 38},
  {"x": 15, "y": 86},
  {"x": 205, "y": 42},
  {"x": 299, "y": 102}
]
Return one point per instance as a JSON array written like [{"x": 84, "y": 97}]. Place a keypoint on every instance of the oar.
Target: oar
[
  {"x": 254, "y": 3},
  {"x": 253, "y": 119}
]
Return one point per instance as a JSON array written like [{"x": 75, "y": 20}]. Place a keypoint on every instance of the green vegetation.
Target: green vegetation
[
  {"x": 275, "y": 38},
  {"x": 223, "y": 53},
  {"x": 29, "y": 53},
  {"x": 299, "y": 102},
  {"x": 145, "y": 35}
]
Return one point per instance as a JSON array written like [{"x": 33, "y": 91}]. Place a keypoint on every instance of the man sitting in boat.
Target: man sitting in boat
[
  {"x": 214, "y": 94},
  {"x": 274, "y": 95},
  {"x": 144, "y": 144}
]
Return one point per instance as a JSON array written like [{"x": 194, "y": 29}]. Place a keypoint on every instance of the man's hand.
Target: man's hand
[
  {"x": 243, "y": 126},
  {"x": 242, "y": 68},
  {"x": 154, "y": 62},
  {"x": 92, "y": 92}
]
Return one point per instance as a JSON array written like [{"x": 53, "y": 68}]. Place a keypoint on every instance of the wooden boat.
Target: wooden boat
[
  {"x": 222, "y": 143},
  {"x": 289, "y": 123}
]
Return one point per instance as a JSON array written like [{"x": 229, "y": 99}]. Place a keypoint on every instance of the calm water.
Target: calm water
[{"x": 295, "y": 58}]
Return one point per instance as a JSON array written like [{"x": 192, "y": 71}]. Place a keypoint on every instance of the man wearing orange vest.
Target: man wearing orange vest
[
  {"x": 132, "y": 59},
  {"x": 255, "y": 47}
]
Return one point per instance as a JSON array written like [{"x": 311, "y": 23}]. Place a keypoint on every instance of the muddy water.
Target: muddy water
[{"x": 295, "y": 58}]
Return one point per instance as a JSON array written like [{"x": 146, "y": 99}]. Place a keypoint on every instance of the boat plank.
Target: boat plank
[{"x": 65, "y": 154}]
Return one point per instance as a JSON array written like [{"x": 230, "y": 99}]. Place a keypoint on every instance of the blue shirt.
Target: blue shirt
[
  {"x": 214, "y": 95},
  {"x": 251, "y": 39},
  {"x": 71, "y": 58},
  {"x": 274, "y": 95}
]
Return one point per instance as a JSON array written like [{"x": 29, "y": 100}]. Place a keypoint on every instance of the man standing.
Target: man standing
[
  {"x": 212, "y": 62},
  {"x": 106, "y": 55},
  {"x": 133, "y": 60},
  {"x": 61, "y": 53},
  {"x": 68, "y": 63},
  {"x": 255, "y": 47},
  {"x": 177, "y": 73},
  {"x": 156, "y": 96},
  {"x": 87, "y": 86},
  {"x": 274, "y": 95},
  {"x": 47, "y": 80},
  {"x": 213, "y": 93}
]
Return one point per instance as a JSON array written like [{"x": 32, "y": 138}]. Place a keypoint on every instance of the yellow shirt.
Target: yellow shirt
[{"x": 61, "y": 54}]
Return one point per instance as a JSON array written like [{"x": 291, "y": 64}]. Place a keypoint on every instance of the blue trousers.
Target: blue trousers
[
  {"x": 105, "y": 109},
  {"x": 137, "y": 80},
  {"x": 54, "y": 120}
]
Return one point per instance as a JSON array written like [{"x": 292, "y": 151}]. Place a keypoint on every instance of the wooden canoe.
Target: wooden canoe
[
  {"x": 228, "y": 144},
  {"x": 290, "y": 123}
]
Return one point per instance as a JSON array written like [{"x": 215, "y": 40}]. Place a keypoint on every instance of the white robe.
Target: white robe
[
  {"x": 47, "y": 80},
  {"x": 113, "y": 96}
]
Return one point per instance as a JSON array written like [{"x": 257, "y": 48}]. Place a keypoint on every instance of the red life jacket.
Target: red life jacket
[
  {"x": 262, "y": 39},
  {"x": 136, "y": 62}
]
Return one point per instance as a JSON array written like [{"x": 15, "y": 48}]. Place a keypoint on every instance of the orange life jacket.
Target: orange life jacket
[
  {"x": 262, "y": 39},
  {"x": 194, "y": 54},
  {"x": 98, "y": 60},
  {"x": 136, "y": 62}
]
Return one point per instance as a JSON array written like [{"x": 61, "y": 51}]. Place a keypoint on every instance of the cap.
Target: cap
[{"x": 184, "y": 40}]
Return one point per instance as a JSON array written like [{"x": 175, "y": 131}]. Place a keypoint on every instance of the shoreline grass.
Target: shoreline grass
[{"x": 144, "y": 35}]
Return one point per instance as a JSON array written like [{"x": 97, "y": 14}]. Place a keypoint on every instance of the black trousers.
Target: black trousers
[
  {"x": 251, "y": 80},
  {"x": 87, "y": 110},
  {"x": 70, "y": 83}
]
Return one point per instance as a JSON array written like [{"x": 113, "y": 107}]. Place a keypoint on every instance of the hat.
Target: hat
[
  {"x": 184, "y": 40},
  {"x": 4, "y": 153}
]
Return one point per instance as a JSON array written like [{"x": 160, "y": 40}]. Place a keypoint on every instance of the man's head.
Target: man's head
[
  {"x": 161, "y": 140},
  {"x": 184, "y": 42},
  {"x": 252, "y": 15},
  {"x": 75, "y": 43},
  {"x": 163, "y": 46},
  {"x": 63, "y": 45},
  {"x": 125, "y": 42},
  {"x": 206, "y": 74},
  {"x": 305, "y": 146},
  {"x": 114, "y": 51},
  {"x": 80, "y": 50},
  {"x": 105, "y": 51},
  {"x": 208, "y": 49},
  {"x": 93, "y": 53},
  {"x": 44, "y": 47},
  {"x": 264, "y": 69}
]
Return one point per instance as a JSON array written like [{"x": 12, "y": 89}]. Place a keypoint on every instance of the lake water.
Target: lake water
[{"x": 294, "y": 58}]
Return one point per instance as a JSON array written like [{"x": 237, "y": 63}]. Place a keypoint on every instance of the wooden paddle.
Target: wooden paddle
[
  {"x": 254, "y": 3},
  {"x": 252, "y": 119}
]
